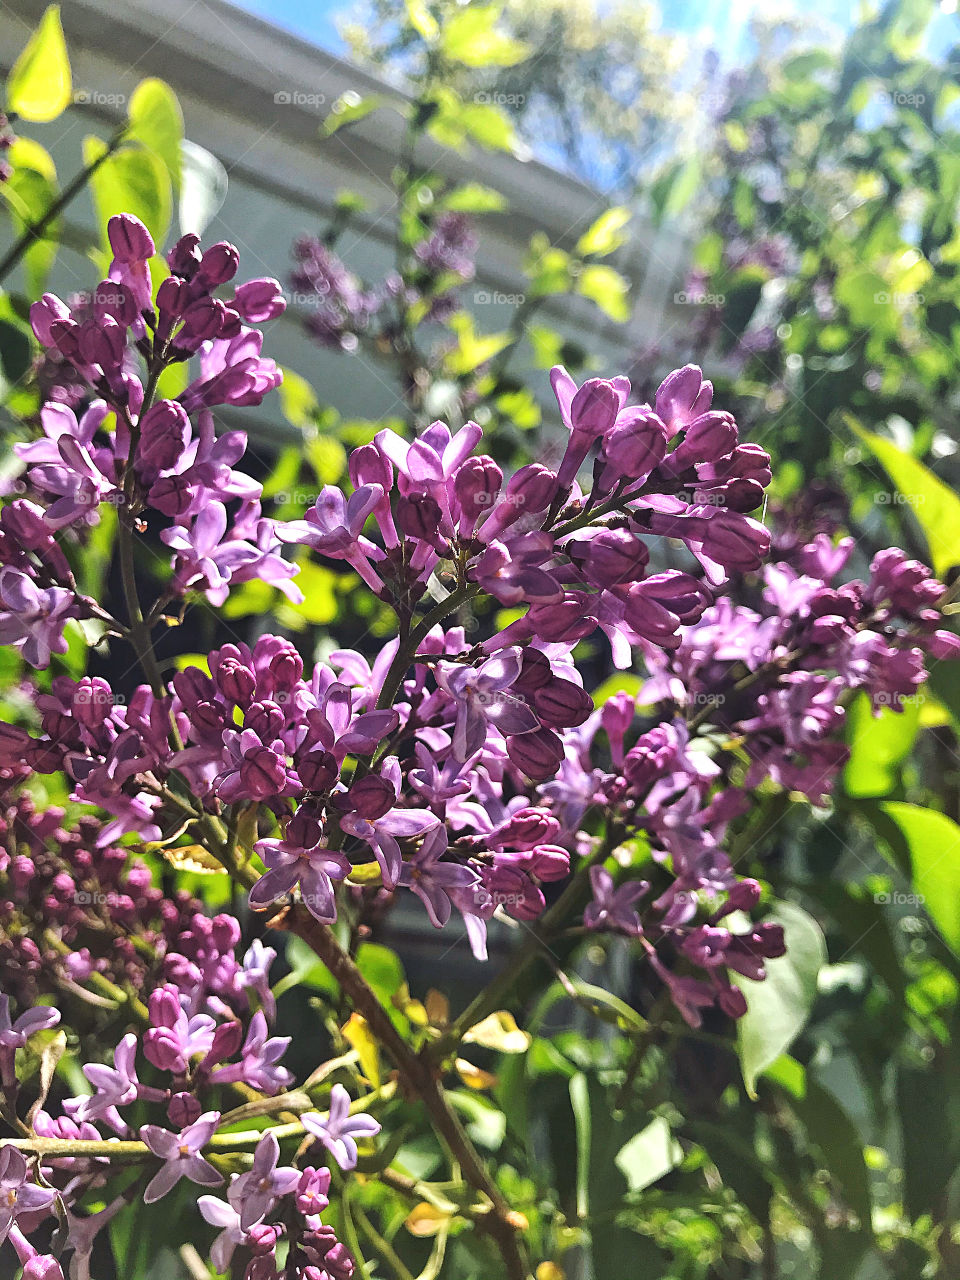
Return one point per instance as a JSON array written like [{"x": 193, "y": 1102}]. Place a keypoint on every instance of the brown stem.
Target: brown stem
[{"x": 418, "y": 1074}]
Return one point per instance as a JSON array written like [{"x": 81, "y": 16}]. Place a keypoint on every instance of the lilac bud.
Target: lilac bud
[
  {"x": 531, "y": 489},
  {"x": 202, "y": 320},
  {"x": 418, "y": 516},
  {"x": 183, "y": 1109},
  {"x": 476, "y": 486},
  {"x": 615, "y": 556},
  {"x": 219, "y": 264},
  {"x": 371, "y": 797},
  {"x": 303, "y": 831},
  {"x": 538, "y": 754},
  {"x": 129, "y": 239},
  {"x": 227, "y": 1040},
  {"x": 561, "y": 704},
  {"x": 259, "y": 300},
  {"x": 164, "y": 433},
  {"x": 184, "y": 258},
  {"x": 735, "y": 541},
  {"x": 235, "y": 681},
  {"x": 170, "y": 495},
  {"x": 527, "y": 828},
  {"x": 266, "y": 720},
  {"x": 44, "y": 313},
  {"x": 92, "y": 701},
  {"x": 682, "y": 396},
  {"x": 317, "y": 770},
  {"x": 369, "y": 466},
  {"x": 565, "y": 621},
  {"x": 550, "y": 863},
  {"x": 634, "y": 447},
  {"x": 262, "y": 773},
  {"x": 42, "y": 1267},
  {"x": 732, "y": 1002}
]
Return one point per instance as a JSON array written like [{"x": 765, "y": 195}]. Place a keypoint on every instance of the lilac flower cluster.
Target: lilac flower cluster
[
  {"x": 775, "y": 680},
  {"x": 344, "y": 309},
  {"x": 459, "y": 770},
  {"x": 137, "y": 452},
  {"x": 192, "y": 1053}
]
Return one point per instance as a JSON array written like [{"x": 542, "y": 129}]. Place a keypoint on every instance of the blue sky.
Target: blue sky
[{"x": 718, "y": 22}]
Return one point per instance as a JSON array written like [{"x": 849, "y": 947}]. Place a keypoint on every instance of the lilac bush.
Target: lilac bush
[{"x": 468, "y": 764}]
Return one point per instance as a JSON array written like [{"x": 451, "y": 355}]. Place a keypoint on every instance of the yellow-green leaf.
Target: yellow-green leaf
[
  {"x": 606, "y": 234},
  {"x": 156, "y": 122},
  {"x": 935, "y": 506},
  {"x": 607, "y": 288},
  {"x": 499, "y": 1031},
  {"x": 422, "y": 20},
  {"x": 470, "y": 36},
  {"x": 39, "y": 86},
  {"x": 358, "y": 1035}
]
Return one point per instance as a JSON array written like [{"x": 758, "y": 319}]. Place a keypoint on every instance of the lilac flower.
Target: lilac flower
[
  {"x": 432, "y": 880},
  {"x": 18, "y": 1195},
  {"x": 116, "y": 1086},
  {"x": 255, "y": 975},
  {"x": 180, "y": 1153},
  {"x": 258, "y": 1059},
  {"x": 381, "y": 834},
  {"x": 14, "y": 1035},
  {"x": 32, "y": 618},
  {"x": 205, "y": 560},
  {"x": 334, "y": 527},
  {"x": 220, "y": 1214},
  {"x": 612, "y": 907},
  {"x": 481, "y": 698},
  {"x": 255, "y": 1193},
  {"x": 339, "y": 1130},
  {"x": 299, "y": 858}
]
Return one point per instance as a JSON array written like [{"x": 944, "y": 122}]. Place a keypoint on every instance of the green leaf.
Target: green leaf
[
  {"x": 935, "y": 506},
  {"x": 607, "y": 288},
  {"x": 778, "y": 1007},
  {"x": 348, "y": 109},
  {"x": 422, "y": 20},
  {"x": 156, "y": 122},
  {"x": 649, "y": 1155},
  {"x": 472, "y": 197},
  {"x": 470, "y": 37},
  {"x": 39, "y": 86},
  {"x": 580, "y": 1102},
  {"x": 830, "y": 1127},
  {"x": 606, "y": 234},
  {"x": 878, "y": 745},
  {"x": 933, "y": 841},
  {"x": 130, "y": 181}
]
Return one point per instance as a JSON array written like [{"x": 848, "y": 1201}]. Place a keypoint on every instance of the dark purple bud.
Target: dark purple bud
[
  {"x": 317, "y": 770},
  {"x": 549, "y": 863},
  {"x": 92, "y": 701},
  {"x": 527, "y": 828},
  {"x": 129, "y": 239},
  {"x": 219, "y": 264},
  {"x": 732, "y": 1002},
  {"x": 184, "y": 258},
  {"x": 418, "y": 516},
  {"x": 371, "y": 797},
  {"x": 164, "y": 432},
  {"x": 566, "y": 621},
  {"x": 202, "y": 320},
  {"x": 44, "y": 313},
  {"x": 615, "y": 556},
  {"x": 538, "y": 754},
  {"x": 634, "y": 447},
  {"x": 170, "y": 495},
  {"x": 535, "y": 672},
  {"x": 266, "y": 719},
  {"x": 227, "y": 1040},
  {"x": 235, "y": 681},
  {"x": 303, "y": 831},
  {"x": 561, "y": 704},
  {"x": 262, "y": 773}
]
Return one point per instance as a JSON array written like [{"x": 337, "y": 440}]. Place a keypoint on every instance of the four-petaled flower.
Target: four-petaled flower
[
  {"x": 339, "y": 1130},
  {"x": 482, "y": 699},
  {"x": 17, "y": 1193},
  {"x": 180, "y": 1153}
]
